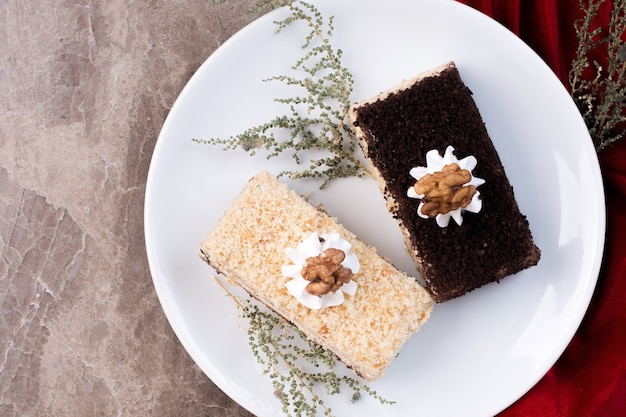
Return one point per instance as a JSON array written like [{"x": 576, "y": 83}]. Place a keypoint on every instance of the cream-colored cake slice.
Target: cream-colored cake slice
[{"x": 249, "y": 245}]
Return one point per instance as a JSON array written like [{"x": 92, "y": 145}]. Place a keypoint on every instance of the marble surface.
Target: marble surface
[{"x": 85, "y": 86}]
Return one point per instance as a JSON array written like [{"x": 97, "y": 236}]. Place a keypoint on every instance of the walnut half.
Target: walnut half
[
  {"x": 326, "y": 272},
  {"x": 444, "y": 191}
]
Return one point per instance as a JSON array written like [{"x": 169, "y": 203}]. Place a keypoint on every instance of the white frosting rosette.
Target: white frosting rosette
[
  {"x": 435, "y": 163},
  {"x": 311, "y": 247}
]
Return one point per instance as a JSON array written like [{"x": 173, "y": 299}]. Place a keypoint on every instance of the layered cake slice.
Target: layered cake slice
[
  {"x": 309, "y": 269},
  {"x": 444, "y": 183}
]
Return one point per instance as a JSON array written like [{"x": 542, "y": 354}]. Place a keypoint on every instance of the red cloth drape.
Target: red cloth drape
[{"x": 589, "y": 380}]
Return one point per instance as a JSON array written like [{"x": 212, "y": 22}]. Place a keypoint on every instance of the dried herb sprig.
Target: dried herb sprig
[
  {"x": 286, "y": 353},
  {"x": 600, "y": 92},
  {"x": 316, "y": 126},
  {"x": 264, "y": 6}
]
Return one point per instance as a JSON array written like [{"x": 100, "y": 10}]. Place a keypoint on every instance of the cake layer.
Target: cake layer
[
  {"x": 366, "y": 331},
  {"x": 396, "y": 129}
]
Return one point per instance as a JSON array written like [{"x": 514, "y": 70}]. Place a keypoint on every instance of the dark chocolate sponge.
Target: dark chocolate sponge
[{"x": 396, "y": 130}]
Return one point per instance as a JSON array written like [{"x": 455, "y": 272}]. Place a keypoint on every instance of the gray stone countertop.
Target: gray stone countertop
[{"x": 85, "y": 87}]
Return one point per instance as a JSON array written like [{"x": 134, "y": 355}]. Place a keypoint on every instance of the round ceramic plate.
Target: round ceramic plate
[{"x": 478, "y": 353}]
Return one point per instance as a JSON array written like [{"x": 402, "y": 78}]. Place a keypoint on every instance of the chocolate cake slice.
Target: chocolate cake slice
[{"x": 409, "y": 134}]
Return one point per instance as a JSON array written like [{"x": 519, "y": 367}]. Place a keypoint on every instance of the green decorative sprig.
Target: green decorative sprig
[
  {"x": 285, "y": 353},
  {"x": 316, "y": 127},
  {"x": 600, "y": 93},
  {"x": 264, "y": 6}
]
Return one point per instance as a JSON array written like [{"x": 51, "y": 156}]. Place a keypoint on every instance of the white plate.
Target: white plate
[{"x": 477, "y": 354}]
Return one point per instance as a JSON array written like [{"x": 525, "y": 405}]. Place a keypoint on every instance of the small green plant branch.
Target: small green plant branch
[
  {"x": 264, "y": 6},
  {"x": 600, "y": 92},
  {"x": 317, "y": 126},
  {"x": 285, "y": 353}
]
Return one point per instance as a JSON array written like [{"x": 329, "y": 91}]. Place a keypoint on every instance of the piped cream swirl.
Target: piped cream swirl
[
  {"x": 435, "y": 163},
  {"x": 310, "y": 247}
]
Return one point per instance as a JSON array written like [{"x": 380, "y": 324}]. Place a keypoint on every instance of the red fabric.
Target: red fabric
[{"x": 589, "y": 380}]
